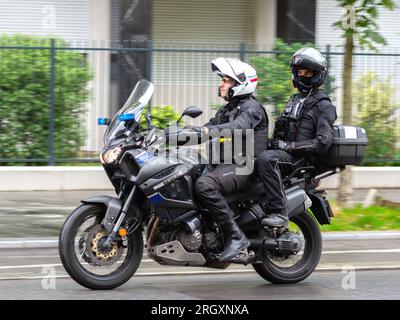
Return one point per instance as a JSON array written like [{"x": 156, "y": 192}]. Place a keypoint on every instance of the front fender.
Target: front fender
[
  {"x": 98, "y": 199},
  {"x": 114, "y": 207}
]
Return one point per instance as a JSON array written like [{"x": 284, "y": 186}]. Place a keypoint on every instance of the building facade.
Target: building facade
[{"x": 181, "y": 79}]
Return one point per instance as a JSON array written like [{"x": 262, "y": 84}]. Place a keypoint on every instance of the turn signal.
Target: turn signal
[{"x": 122, "y": 232}]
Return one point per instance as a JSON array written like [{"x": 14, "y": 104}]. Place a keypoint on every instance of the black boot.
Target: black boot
[
  {"x": 277, "y": 220},
  {"x": 236, "y": 241}
]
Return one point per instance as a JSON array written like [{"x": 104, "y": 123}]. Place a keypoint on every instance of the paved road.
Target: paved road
[
  {"x": 376, "y": 264},
  {"x": 320, "y": 285},
  {"x": 337, "y": 254},
  {"x": 41, "y": 213},
  {"x": 38, "y": 213}
]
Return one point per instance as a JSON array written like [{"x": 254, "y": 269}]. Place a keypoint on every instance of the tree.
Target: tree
[{"x": 359, "y": 27}]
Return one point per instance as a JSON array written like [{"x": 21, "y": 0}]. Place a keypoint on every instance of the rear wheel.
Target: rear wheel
[
  {"x": 84, "y": 257},
  {"x": 278, "y": 268}
]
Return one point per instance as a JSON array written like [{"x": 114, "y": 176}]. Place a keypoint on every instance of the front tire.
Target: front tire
[
  {"x": 68, "y": 247},
  {"x": 275, "y": 273}
]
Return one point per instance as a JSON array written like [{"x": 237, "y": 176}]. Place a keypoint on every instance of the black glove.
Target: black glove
[{"x": 282, "y": 145}]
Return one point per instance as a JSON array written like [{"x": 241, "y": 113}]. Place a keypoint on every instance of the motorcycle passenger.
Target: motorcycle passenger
[
  {"x": 303, "y": 130},
  {"x": 242, "y": 111}
]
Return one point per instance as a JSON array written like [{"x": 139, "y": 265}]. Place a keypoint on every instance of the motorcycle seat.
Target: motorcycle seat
[{"x": 254, "y": 192}]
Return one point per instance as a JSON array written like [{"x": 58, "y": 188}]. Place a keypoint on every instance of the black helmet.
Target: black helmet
[{"x": 311, "y": 59}]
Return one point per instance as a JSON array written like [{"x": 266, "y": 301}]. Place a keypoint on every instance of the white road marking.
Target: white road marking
[
  {"x": 21, "y": 209},
  {"x": 150, "y": 260},
  {"x": 27, "y": 257},
  {"x": 395, "y": 250},
  {"x": 41, "y": 215},
  {"x": 363, "y": 251},
  {"x": 28, "y": 266}
]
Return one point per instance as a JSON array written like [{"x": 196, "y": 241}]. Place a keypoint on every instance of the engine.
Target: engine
[
  {"x": 201, "y": 239},
  {"x": 185, "y": 245},
  {"x": 190, "y": 241}
]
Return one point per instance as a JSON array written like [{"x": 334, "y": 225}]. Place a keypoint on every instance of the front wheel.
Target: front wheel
[
  {"x": 85, "y": 259},
  {"x": 279, "y": 269}
]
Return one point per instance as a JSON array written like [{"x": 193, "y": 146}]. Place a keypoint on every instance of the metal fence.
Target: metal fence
[{"x": 44, "y": 120}]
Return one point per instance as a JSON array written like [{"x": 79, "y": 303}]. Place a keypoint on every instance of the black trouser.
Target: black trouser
[
  {"x": 271, "y": 166},
  {"x": 211, "y": 188}
]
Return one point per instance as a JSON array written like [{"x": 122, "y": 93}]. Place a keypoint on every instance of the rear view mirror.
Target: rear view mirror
[{"x": 192, "y": 112}]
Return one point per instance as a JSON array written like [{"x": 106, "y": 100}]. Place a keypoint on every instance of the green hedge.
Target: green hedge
[
  {"x": 162, "y": 116},
  {"x": 25, "y": 96}
]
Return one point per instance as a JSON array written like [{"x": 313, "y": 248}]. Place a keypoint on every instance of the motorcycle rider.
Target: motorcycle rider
[
  {"x": 242, "y": 111},
  {"x": 303, "y": 130}
]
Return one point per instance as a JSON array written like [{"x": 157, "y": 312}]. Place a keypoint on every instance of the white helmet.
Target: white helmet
[{"x": 244, "y": 75}]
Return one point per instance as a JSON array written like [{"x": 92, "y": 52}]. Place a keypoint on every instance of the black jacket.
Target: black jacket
[
  {"x": 243, "y": 113},
  {"x": 313, "y": 126}
]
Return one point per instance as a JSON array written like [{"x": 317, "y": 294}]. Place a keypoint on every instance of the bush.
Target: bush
[
  {"x": 162, "y": 116},
  {"x": 373, "y": 98},
  {"x": 25, "y": 96}
]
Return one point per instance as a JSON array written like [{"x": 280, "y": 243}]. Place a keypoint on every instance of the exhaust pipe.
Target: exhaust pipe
[
  {"x": 289, "y": 243},
  {"x": 297, "y": 201}
]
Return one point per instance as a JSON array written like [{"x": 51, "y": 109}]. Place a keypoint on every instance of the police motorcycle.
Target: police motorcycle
[{"x": 101, "y": 242}]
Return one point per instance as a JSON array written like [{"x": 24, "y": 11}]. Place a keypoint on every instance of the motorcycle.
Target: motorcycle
[{"x": 101, "y": 242}]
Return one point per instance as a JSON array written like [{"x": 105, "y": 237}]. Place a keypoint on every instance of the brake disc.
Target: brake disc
[{"x": 93, "y": 253}]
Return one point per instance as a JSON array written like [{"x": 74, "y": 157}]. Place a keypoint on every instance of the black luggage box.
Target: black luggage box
[{"x": 348, "y": 147}]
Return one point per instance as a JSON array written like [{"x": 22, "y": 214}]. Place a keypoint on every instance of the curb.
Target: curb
[
  {"x": 31, "y": 243},
  {"x": 28, "y": 243}
]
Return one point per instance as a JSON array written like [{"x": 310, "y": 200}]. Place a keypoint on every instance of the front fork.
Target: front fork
[{"x": 111, "y": 215}]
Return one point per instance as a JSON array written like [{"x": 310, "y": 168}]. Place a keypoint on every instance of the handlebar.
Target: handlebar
[{"x": 181, "y": 136}]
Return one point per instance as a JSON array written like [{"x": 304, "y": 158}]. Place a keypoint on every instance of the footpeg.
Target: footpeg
[{"x": 243, "y": 257}]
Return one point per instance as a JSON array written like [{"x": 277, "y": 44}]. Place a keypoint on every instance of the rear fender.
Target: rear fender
[{"x": 320, "y": 206}]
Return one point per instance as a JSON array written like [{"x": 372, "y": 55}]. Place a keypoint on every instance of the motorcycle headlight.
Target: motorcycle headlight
[{"x": 110, "y": 155}]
